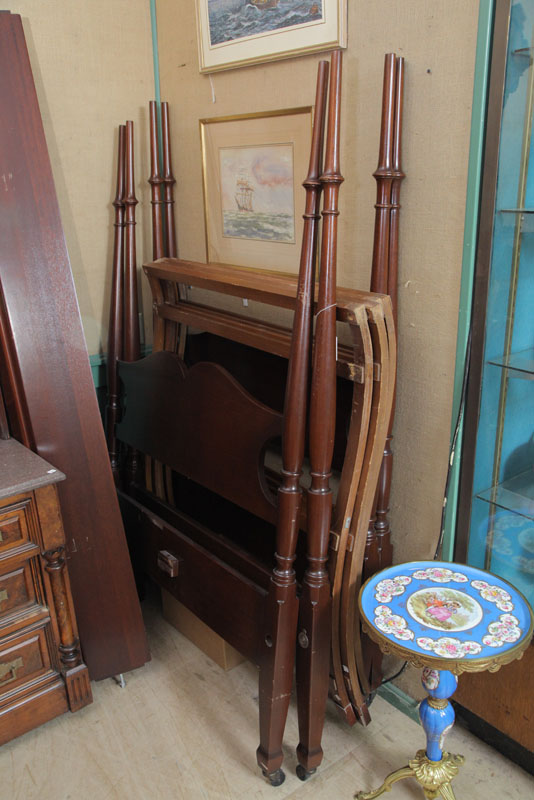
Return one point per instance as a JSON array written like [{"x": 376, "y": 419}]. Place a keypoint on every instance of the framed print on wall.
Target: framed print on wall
[
  {"x": 253, "y": 167},
  {"x": 233, "y": 33}
]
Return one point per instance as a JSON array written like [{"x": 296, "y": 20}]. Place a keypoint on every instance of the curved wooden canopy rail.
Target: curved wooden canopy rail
[
  {"x": 313, "y": 651},
  {"x": 282, "y": 605},
  {"x": 384, "y": 347},
  {"x": 115, "y": 330},
  {"x": 341, "y": 537}
]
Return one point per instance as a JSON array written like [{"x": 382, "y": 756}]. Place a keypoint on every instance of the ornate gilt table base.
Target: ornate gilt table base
[
  {"x": 433, "y": 769},
  {"x": 434, "y": 776},
  {"x": 447, "y": 618}
]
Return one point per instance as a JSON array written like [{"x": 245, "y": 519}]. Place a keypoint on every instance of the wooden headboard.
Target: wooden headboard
[{"x": 201, "y": 423}]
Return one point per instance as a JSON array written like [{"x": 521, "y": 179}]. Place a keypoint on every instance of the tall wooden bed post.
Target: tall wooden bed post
[
  {"x": 313, "y": 652},
  {"x": 389, "y": 176},
  {"x": 131, "y": 338},
  {"x": 155, "y": 180},
  {"x": 384, "y": 279},
  {"x": 115, "y": 331},
  {"x": 276, "y": 674}
]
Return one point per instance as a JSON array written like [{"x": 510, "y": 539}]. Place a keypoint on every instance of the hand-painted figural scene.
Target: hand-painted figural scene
[
  {"x": 257, "y": 192},
  {"x": 444, "y": 609},
  {"x": 235, "y": 19}
]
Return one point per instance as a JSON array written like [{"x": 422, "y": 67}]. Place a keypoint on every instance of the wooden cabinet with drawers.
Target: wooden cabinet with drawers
[{"x": 41, "y": 669}]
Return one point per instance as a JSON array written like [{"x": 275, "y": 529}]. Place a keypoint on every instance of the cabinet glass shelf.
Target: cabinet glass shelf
[
  {"x": 516, "y": 494},
  {"x": 519, "y": 365},
  {"x": 526, "y": 216}
]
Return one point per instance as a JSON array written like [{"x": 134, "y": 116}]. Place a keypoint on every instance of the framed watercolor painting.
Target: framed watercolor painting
[
  {"x": 233, "y": 33},
  {"x": 253, "y": 167}
]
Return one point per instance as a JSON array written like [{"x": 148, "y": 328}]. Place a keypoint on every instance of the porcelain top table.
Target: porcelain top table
[{"x": 448, "y": 619}]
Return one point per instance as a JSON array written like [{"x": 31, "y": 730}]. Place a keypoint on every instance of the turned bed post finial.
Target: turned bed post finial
[
  {"x": 132, "y": 344},
  {"x": 115, "y": 331},
  {"x": 156, "y": 182},
  {"x": 168, "y": 185},
  {"x": 175, "y": 335},
  {"x": 131, "y": 305}
]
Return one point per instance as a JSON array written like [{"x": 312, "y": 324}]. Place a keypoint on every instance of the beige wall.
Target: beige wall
[
  {"x": 92, "y": 65},
  {"x": 437, "y": 40}
]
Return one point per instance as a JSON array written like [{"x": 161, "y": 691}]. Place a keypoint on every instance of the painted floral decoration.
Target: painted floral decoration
[
  {"x": 440, "y": 575},
  {"x": 388, "y": 588},
  {"x": 392, "y": 624},
  {"x": 448, "y": 646},
  {"x": 506, "y": 629},
  {"x": 430, "y": 678},
  {"x": 494, "y": 594}
]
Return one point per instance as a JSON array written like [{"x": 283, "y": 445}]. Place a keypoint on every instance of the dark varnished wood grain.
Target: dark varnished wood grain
[
  {"x": 313, "y": 652},
  {"x": 46, "y": 376}
]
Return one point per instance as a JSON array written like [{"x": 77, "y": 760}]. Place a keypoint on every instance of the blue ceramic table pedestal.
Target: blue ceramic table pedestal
[
  {"x": 447, "y": 619},
  {"x": 433, "y": 769}
]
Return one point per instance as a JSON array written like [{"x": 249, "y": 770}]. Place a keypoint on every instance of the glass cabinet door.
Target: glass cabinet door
[{"x": 500, "y": 534}]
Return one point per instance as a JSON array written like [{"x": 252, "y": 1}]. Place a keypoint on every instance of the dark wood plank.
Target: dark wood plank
[{"x": 49, "y": 377}]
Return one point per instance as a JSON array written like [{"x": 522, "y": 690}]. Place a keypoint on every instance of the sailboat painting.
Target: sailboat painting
[
  {"x": 235, "y": 19},
  {"x": 257, "y": 192}
]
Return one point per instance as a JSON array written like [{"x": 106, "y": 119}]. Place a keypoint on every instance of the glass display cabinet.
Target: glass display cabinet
[{"x": 496, "y": 502}]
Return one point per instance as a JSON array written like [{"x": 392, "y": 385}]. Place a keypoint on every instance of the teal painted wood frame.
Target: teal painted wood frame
[{"x": 474, "y": 178}]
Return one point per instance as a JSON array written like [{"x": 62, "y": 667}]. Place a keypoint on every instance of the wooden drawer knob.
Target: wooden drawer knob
[{"x": 168, "y": 563}]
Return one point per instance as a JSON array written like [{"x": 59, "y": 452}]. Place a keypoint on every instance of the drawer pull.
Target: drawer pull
[
  {"x": 168, "y": 563},
  {"x": 10, "y": 669},
  {"x": 3, "y": 596}
]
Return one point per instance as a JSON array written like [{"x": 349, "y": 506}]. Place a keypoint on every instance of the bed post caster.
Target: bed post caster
[
  {"x": 303, "y": 774},
  {"x": 275, "y": 778}
]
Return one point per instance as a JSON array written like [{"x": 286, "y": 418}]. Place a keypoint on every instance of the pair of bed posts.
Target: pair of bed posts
[
  {"x": 123, "y": 335},
  {"x": 284, "y": 610}
]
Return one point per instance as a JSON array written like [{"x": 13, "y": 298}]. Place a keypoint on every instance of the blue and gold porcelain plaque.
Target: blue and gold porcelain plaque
[{"x": 458, "y": 617}]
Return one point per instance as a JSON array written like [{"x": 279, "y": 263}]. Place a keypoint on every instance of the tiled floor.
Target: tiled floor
[{"x": 183, "y": 728}]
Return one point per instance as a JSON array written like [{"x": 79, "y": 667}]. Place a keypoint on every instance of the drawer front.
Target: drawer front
[
  {"x": 17, "y": 589},
  {"x": 14, "y": 527},
  {"x": 23, "y": 659}
]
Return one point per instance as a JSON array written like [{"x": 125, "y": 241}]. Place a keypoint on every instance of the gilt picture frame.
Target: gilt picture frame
[
  {"x": 235, "y": 33},
  {"x": 253, "y": 166}
]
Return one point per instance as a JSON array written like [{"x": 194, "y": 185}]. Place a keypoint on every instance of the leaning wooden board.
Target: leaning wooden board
[{"x": 46, "y": 377}]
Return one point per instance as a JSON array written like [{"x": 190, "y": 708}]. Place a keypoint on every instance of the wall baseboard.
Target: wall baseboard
[{"x": 400, "y": 700}]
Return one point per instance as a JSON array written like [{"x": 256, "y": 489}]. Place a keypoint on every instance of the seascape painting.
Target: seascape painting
[
  {"x": 257, "y": 192},
  {"x": 230, "y": 20}
]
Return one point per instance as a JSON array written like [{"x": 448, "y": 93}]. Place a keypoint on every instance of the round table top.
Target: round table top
[{"x": 449, "y": 616}]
